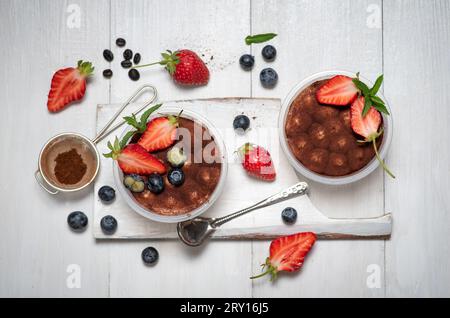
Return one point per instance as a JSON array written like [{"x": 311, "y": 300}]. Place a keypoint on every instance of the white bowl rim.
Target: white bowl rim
[
  {"x": 214, "y": 132},
  {"x": 328, "y": 180}
]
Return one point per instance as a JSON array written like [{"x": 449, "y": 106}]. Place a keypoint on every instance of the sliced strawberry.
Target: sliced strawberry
[
  {"x": 68, "y": 85},
  {"x": 339, "y": 91},
  {"x": 368, "y": 127},
  {"x": 257, "y": 162},
  {"x": 161, "y": 133},
  {"x": 288, "y": 253},
  {"x": 133, "y": 159}
]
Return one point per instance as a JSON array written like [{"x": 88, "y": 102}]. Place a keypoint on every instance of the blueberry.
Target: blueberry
[
  {"x": 134, "y": 74},
  {"x": 155, "y": 183},
  {"x": 108, "y": 55},
  {"x": 108, "y": 224},
  {"x": 241, "y": 123},
  {"x": 176, "y": 157},
  {"x": 77, "y": 221},
  {"x": 268, "y": 77},
  {"x": 127, "y": 54},
  {"x": 150, "y": 255},
  {"x": 269, "y": 53},
  {"x": 121, "y": 42},
  {"x": 176, "y": 177},
  {"x": 106, "y": 194},
  {"x": 107, "y": 73},
  {"x": 247, "y": 61},
  {"x": 289, "y": 215},
  {"x": 137, "y": 58},
  {"x": 126, "y": 64},
  {"x": 134, "y": 182}
]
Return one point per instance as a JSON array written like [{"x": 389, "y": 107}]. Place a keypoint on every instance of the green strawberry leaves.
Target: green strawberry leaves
[
  {"x": 371, "y": 100},
  {"x": 259, "y": 38}
]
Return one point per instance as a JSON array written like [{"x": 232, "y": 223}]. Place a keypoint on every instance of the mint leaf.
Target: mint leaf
[
  {"x": 126, "y": 138},
  {"x": 374, "y": 90},
  {"x": 367, "y": 105},
  {"x": 361, "y": 86},
  {"x": 259, "y": 38},
  {"x": 379, "y": 105},
  {"x": 145, "y": 116}
]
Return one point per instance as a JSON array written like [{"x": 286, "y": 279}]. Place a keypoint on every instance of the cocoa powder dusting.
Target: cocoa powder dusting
[{"x": 70, "y": 167}]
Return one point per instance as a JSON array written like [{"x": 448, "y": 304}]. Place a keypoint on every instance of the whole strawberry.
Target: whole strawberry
[
  {"x": 257, "y": 162},
  {"x": 185, "y": 67},
  {"x": 68, "y": 85},
  {"x": 287, "y": 254}
]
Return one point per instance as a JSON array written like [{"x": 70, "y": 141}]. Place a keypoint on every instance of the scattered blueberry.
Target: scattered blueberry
[
  {"x": 289, "y": 215},
  {"x": 127, "y": 54},
  {"x": 107, "y": 73},
  {"x": 126, "y": 64},
  {"x": 121, "y": 42},
  {"x": 241, "y": 123},
  {"x": 108, "y": 55},
  {"x": 268, "y": 77},
  {"x": 155, "y": 183},
  {"x": 247, "y": 61},
  {"x": 176, "y": 177},
  {"x": 134, "y": 74},
  {"x": 176, "y": 157},
  {"x": 150, "y": 255},
  {"x": 106, "y": 194},
  {"x": 134, "y": 183},
  {"x": 108, "y": 224},
  {"x": 269, "y": 53},
  {"x": 137, "y": 58},
  {"x": 77, "y": 221}
]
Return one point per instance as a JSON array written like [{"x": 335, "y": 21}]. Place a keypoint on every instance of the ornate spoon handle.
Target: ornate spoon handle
[{"x": 291, "y": 192}]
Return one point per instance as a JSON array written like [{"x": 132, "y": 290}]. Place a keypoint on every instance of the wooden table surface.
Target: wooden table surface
[{"x": 407, "y": 40}]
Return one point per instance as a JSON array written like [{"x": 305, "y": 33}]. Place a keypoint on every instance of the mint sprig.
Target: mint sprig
[
  {"x": 141, "y": 124},
  {"x": 259, "y": 38},
  {"x": 371, "y": 100}
]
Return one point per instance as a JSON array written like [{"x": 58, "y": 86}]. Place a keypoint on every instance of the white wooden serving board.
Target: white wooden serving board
[{"x": 240, "y": 190}]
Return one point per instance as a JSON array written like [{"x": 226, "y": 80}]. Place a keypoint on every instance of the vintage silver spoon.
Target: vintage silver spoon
[{"x": 194, "y": 232}]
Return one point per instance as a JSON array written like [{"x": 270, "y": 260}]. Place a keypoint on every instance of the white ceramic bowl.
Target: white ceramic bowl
[
  {"x": 131, "y": 201},
  {"x": 298, "y": 166}
]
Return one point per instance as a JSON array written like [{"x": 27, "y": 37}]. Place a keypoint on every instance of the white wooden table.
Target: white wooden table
[{"x": 407, "y": 40}]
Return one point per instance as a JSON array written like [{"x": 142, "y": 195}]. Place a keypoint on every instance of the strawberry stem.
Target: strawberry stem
[
  {"x": 383, "y": 164},
  {"x": 145, "y": 65},
  {"x": 261, "y": 275}
]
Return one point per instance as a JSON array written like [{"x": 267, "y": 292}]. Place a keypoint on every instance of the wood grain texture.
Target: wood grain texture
[
  {"x": 36, "y": 245},
  {"x": 316, "y": 36},
  {"x": 417, "y": 81}
]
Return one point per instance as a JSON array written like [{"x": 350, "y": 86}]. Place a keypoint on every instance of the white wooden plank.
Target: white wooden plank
[
  {"x": 417, "y": 61},
  {"x": 36, "y": 244},
  {"x": 214, "y": 29},
  {"x": 314, "y": 36}
]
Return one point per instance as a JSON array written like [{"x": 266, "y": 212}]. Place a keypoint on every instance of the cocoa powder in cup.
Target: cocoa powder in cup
[{"x": 70, "y": 167}]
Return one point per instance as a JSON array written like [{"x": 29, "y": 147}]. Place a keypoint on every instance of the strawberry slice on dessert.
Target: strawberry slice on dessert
[
  {"x": 287, "y": 254},
  {"x": 133, "y": 159},
  {"x": 160, "y": 134},
  {"x": 368, "y": 127},
  {"x": 339, "y": 91},
  {"x": 257, "y": 162},
  {"x": 68, "y": 85}
]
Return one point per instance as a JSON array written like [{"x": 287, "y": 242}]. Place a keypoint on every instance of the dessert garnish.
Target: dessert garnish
[
  {"x": 176, "y": 177},
  {"x": 133, "y": 159},
  {"x": 269, "y": 52},
  {"x": 70, "y": 167},
  {"x": 368, "y": 127},
  {"x": 160, "y": 133},
  {"x": 257, "y": 162},
  {"x": 287, "y": 254},
  {"x": 68, "y": 85},
  {"x": 77, "y": 221},
  {"x": 268, "y": 77},
  {"x": 107, "y": 194},
  {"x": 370, "y": 95},
  {"x": 289, "y": 215},
  {"x": 150, "y": 255},
  {"x": 155, "y": 183},
  {"x": 135, "y": 183},
  {"x": 184, "y": 66},
  {"x": 141, "y": 124},
  {"x": 108, "y": 224},
  {"x": 338, "y": 91},
  {"x": 259, "y": 38},
  {"x": 176, "y": 157}
]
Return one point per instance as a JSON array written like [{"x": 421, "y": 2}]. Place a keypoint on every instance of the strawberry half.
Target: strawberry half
[
  {"x": 185, "y": 67},
  {"x": 133, "y": 159},
  {"x": 161, "y": 133},
  {"x": 339, "y": 91},
  {"x": 368, "y": 127},
  {"x": 288, "y": 254},
  {"x": 68, "y": 85},
  {"x": 257, "y": 162}
]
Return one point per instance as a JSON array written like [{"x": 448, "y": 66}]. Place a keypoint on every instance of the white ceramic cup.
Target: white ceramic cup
[{"x": 298, "y": 166}]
